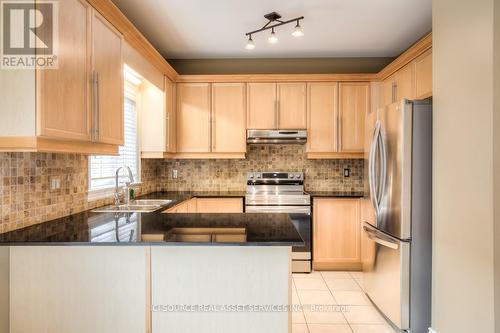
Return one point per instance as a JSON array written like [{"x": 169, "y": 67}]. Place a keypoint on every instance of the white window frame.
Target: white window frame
[{"x": 131, "y": 91}]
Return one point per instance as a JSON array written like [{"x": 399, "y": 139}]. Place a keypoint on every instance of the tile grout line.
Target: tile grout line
[
  {"x": 302, "y": 310},
  {"x": 331, "y": 293}
]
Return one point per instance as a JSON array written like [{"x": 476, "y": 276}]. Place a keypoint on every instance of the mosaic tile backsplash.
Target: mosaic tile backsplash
[
  {"x": 230, "y": 175},
  {"x": 25, "y": 197}
]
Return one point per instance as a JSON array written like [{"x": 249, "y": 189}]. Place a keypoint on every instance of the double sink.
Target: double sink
[{"x": 135, "y": 206}]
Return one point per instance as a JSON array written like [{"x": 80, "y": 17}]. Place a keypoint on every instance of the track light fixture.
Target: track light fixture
[{"x": 273, "y": 38}]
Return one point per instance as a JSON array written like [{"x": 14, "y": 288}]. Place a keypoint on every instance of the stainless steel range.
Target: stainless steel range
[{"x": 283, "y": 192}]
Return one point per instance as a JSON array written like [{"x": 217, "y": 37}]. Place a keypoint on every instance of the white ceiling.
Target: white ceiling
[{"x": 333, "y": 28}]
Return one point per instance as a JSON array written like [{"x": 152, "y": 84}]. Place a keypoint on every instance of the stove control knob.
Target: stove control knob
[
  {"x": 258, "y": 176},
  {"x": 297, "y": 176},
  {"x": 251, "y": 175}
]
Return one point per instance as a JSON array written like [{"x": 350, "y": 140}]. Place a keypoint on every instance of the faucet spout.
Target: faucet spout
[{"x": 131, "y": 180}]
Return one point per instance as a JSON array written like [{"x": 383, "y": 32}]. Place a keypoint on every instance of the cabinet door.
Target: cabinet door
[
  {"x": 353, "y": 107},
  {"x": 387, "y": 91},
  {"x": 108, "y": 65},
  {"x": 63, "y": 109},
  {"x": 261, "y": 106},
  {"x": 292, "y": 106},
  {"x": 193, "y": 118},
  {"x": 219, "y": 205},
  {"x": 405, "y": 83},
  {"x": 423, "y": 75},
  {"x": 170, "y": 115},
  {"x": 229, "y": 121},
  {"x": 322, "y": 101},
  {"x": 336, "y": 234}
]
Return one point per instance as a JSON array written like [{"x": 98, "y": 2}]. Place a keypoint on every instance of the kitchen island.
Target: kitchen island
[{"x": 149, "y": 272}]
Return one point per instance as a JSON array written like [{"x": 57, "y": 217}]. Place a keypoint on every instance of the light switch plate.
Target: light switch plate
[{"x": 174, "y": 174}]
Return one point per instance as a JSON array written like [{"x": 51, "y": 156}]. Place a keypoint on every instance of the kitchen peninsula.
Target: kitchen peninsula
[{"x": 157, "y": 265}]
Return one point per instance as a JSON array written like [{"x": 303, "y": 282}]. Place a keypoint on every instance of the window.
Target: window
[{"x": 102, "y": 169}]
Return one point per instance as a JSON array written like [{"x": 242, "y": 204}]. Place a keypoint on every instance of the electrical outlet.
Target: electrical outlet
[
  {"x": 174, "y": 174},
  {"x": 347, "y": 172},
  {"x": 55, "y": 183}
]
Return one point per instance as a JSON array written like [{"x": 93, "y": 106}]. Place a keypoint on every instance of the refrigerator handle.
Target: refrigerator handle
[
  {"x": 380, "y": 238},
  {"x": 371, "y": 168},
  {"x": 382, "y": 176}
]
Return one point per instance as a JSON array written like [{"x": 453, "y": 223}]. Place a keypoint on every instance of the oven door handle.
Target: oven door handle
[{"x": 279, "y": 209}]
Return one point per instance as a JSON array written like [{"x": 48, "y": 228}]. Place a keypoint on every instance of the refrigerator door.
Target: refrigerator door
[
  {"x": 386, "y": 277},
  {"x": 394, "y": 179}
]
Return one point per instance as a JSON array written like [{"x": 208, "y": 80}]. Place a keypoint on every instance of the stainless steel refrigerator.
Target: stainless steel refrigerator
[{"x": 397, "y": 260}]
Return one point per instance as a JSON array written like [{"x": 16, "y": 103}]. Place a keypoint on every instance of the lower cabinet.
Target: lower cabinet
[
  {"x": 79, "y": 289},
  {"x": 208, "y": 205},
  {"x": 336, "y": 234}
]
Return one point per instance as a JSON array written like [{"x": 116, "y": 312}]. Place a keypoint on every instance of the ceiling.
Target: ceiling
[{"x": 195, "y": 29}]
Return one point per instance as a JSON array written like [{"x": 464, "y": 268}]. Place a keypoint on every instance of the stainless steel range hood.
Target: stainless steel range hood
[{"x": 276, "y": 136}]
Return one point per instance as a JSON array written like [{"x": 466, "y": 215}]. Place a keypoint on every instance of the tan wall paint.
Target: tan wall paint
[
  {"x": 463, "y": 284},
  {"x": 280, "y": 66},
  {"x": 496, "y": 153}
]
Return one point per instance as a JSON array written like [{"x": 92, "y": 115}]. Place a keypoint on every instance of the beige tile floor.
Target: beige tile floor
[{"x": 330, "y": 289}]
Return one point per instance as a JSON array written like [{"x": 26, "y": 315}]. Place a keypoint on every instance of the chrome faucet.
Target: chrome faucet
[{"x": 126, "y": 188}]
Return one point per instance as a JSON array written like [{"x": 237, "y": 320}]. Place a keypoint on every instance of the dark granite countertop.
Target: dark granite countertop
[{"x": 156, "y": 228}]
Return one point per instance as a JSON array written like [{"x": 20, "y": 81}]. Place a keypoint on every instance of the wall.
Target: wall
[
  {"x": 496, "y": 165},
  {"x": 279, "y": 65},
  {"x": 463, "y": 278},
  {"x": 25, "y": 198},
  {"x": 230, "y": 175}
]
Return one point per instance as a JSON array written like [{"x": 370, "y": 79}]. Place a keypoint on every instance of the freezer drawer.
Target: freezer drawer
[{"x": 387, "y": 276}]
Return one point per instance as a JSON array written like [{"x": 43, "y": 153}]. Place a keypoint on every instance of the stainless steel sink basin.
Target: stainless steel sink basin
[{"x": 135, "y": 206}]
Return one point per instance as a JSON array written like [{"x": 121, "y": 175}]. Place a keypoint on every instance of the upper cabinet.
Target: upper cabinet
[
  {"x": 261, "y": 106},
  {"x": 228, "y": 117},
  {"x": 211, "y": 120},
  {"x": 322, "y": 105},
  {"x": 413, "y": 81},
  {"x": 193, "y": 118},
  {"x": 276, "y": 106},
  {"x": 336, "y": 114},
  {"x": 107, "y": 81},
  {"x": 79, "y": 104},
  {"x": 423, "y": 75},
  {"x": 354, "y": 104},
  {"x": 291, "y": 113},
  {"x": 64, "y": 108}
]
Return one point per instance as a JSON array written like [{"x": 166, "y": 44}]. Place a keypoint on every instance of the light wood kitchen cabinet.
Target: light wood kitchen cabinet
[
  {"x": 322, "y": 104},
  {"x": 261, "y": 106},
  {"x": 405, "y": 83},
  {"x": 336, "y": 234},
  {"x": 219, "y": 205},
  {"x": 276, "y": 106},
  {"x": 77, "y": 107},
  {"x": 228, "y": 117},
  {"x": 210, "y": 120},
  {"x": 193, "y": 118},
  {"x": 170, "y": 111},
  {"x": 208, "y": 205},
  {"x": 354, "y": 104},
  {"x": 63, "y": 93},
  {"x": 423, "y": 75},
  {"x": 291, "y": 113},
  {"x": 387, "y": 91},
  {"x": 335, "y": 116},
  {"x": 108, "y": 89}
]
